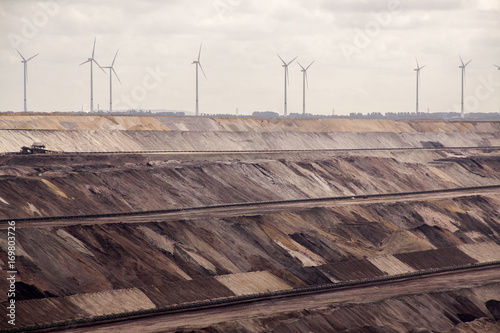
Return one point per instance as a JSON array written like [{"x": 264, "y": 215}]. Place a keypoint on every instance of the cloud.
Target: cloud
[
  {"x": 367, "y": 6},
  {"x": 241, "y": 39}
]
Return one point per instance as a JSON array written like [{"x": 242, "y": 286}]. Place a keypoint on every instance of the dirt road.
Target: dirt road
[
  {"x": 367, "y": 294},
  {"x": 252, "y": 208}
]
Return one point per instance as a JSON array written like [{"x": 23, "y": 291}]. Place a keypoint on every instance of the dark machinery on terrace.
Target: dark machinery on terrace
[{"x": 35, "y": 148}]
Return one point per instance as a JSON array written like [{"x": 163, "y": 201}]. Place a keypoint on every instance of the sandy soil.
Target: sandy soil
[
  {"x": 69, "y": 121},
  {"x": 356, "y": 299},
  {"x": 69, "y": 271},
  {"x": 44, "y": 186}
]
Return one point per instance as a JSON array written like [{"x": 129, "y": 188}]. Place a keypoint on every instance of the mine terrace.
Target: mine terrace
[{"x": 135, "y": 223}]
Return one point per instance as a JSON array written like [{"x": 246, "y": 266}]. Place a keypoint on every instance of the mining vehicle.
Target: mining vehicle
[{"x": 35, "y": 148}]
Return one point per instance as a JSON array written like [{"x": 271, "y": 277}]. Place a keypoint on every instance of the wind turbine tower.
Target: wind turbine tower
[
  {"x": 499, "y": 70},
  {"x": 304, "y": 82},
  {"x": 111, "y": 71},
  {"x": 92, "y": 60},
  {"x": 463, "y": 80},
  {"x": 418, "y": 78},
  {"x": 198, "y": 63},
  {"x": 25, "y": 62},
  {"x": 286, "y": 76}
]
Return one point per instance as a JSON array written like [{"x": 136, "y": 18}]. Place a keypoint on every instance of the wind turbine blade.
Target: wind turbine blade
[
  {"x": 84, "y": 62},
  {"x": 461, "y": 60},
  {"x": 114, "y": 59},
  {"x": 99, "y": 66},
  {"x": 467, "y": 63},
  {"x": 20, "y": 54},
  {"x": 199, "y": 52},
  {"x": 497, "y": 67},
  {"x": 307, "y": 81},
  {"x": 93, "y": 48},
  {"x": 422, "y": 67},
  {"x": 199, "y": 63},
  {"x": 301, "y": 66},
  {"x": 284, "y": 63},
  {"x": 116, "y": 75},
  {"x": 287, "y": 75},
  {"x": 416, "y": 62},
  {"x": 310, "y": 65},
  {"x": 32, "y": 57},
  {"x": 292, "y": 60}
]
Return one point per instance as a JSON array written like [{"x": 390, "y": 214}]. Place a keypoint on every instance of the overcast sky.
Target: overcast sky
[{"x": 364, "y": 52}]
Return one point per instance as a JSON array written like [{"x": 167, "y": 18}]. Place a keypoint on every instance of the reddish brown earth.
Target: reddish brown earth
[
  {"x": 81, "y": 270},
  {"x": 67, "y": 185},
  {"x": 447, "y": 303}
]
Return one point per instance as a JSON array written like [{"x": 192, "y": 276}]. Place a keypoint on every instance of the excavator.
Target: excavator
[{"x": 35, "y": 148}]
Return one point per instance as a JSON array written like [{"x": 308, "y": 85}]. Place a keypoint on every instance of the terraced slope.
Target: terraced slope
[
  {"x": 77, "y": 271},
  {"x": 46, "y": 186},
  {"x": 64, "y": 132}
]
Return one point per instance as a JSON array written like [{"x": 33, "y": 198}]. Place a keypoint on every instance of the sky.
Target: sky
[{"x": 364, "y": 54}]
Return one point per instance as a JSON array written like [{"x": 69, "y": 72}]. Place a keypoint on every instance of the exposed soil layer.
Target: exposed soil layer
[
  {"x": 110, "y": 141},
  {"x": 65, "y": 132},
  {"x": 175, "y": 262},
  {"x": 433, "y": 304},
  {"x": 33, "y": 186},
  {"x": 71, "y": 121},
  {"x": 437, "y": 312}
]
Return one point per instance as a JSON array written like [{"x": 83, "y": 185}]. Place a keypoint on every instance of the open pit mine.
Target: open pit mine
[{"x": 116, "y": 223}]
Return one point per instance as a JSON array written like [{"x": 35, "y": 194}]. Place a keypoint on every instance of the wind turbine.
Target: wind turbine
[
  {"x": 92, "y": 60},
  {"x": 463, "y": 78},
  {"x": 304, "y": 81},
  {"x": 25, "y": 62},
  {"x": 286, "y": 75},
  {"x": 111, "y": 71},
  {"x": 418, "y": 78},
  {"x": 499, "y": 70},
  {"x": 198, "y": 63}
]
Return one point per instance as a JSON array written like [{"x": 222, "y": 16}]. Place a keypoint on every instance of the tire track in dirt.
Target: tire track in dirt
[
  {"x": 369, "y": 292},
  {"x": 245, "y": 209}
]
